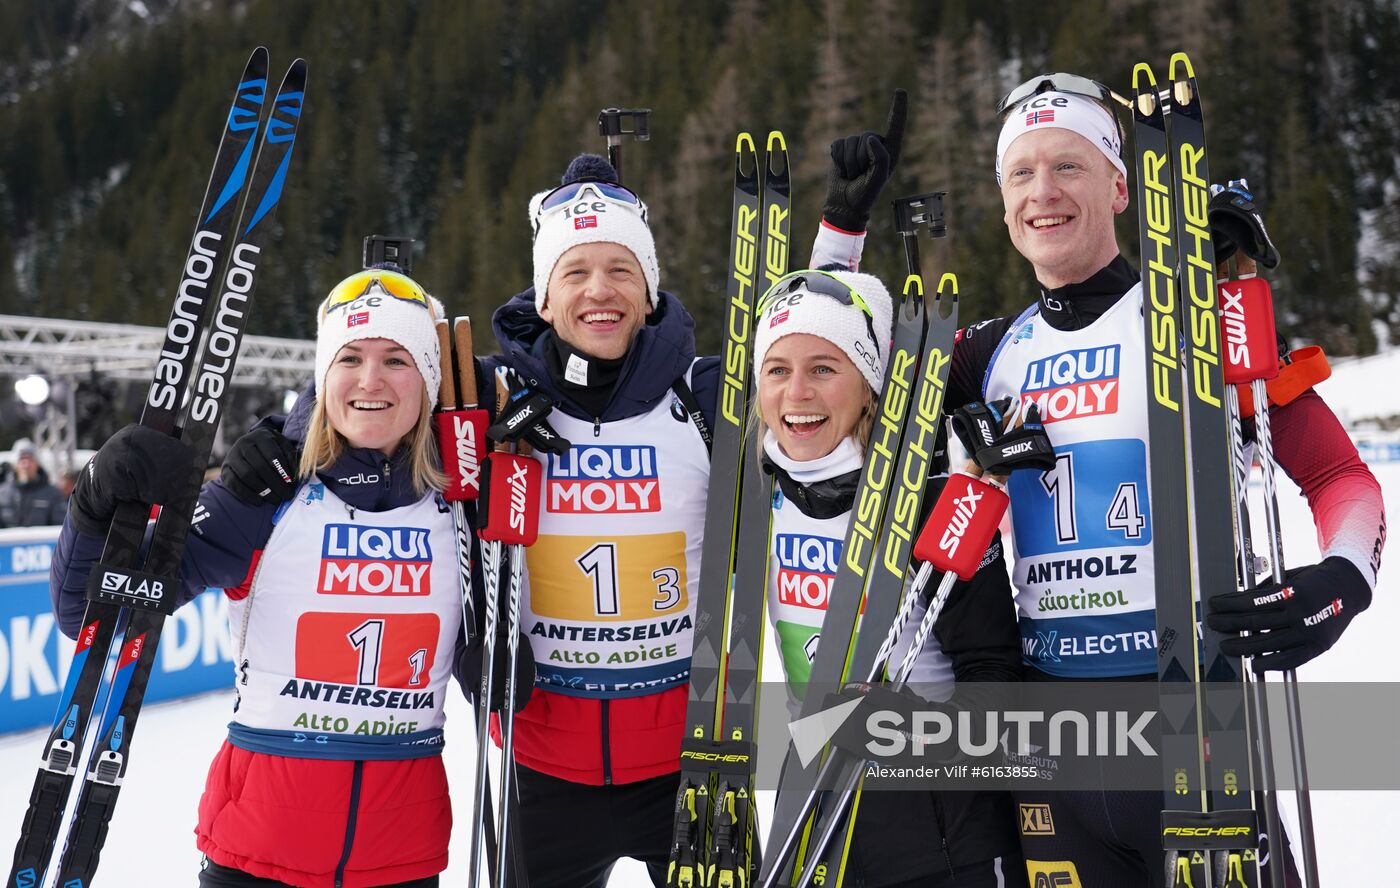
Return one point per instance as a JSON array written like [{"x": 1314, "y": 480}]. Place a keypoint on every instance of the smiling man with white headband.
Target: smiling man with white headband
[{"x": 1062, "y": 181}]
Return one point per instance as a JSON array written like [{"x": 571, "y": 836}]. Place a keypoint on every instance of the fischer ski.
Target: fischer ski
[
  {"x": 867, "y": 589},
  {"x": 715, "y": 839},
  {"x": 145, "y": 594},
  {"x": 1209, "y": 826}
]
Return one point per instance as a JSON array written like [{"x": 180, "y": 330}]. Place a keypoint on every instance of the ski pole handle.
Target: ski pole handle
[
  {"x": 962, "y": 524},
  {"x": 460, "y": 425},
  {"x": 1247, "y": 326}
]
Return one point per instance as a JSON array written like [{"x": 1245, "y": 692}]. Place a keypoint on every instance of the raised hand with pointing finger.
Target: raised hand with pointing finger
[{"x": 860, "y": 166}]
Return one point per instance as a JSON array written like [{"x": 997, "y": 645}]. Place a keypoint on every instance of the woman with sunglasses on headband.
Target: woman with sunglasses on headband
[
  {"x": 340, "y": 566},
  {"x": 1062, "y": 181},
  {"x": 822, "y": 342}
]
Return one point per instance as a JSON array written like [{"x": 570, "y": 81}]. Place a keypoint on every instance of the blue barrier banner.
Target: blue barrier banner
[
  {"x": 1378, "y": 451},
  {"x": 195, "y": 650}
]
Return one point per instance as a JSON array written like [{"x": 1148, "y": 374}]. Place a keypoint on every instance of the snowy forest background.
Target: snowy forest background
[{"x": 439, "y": 118}]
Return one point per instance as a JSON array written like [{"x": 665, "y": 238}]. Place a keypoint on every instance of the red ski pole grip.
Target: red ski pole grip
[
  {"x": 961, "y": 525},
  {"x": 1247, "y": 328},
  {"x": 513, "y": 507},
  {"x": 461, "y": 438}
]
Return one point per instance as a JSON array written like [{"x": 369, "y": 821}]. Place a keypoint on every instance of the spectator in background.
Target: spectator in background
[
  {"x": 67, "y": 480},
  {"x": 28, "y": 499}
]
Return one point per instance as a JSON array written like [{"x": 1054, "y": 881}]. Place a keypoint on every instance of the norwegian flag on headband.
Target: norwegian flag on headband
[
  {"x": 778, "y": 318},
  {"x": 1046, "y": 116},
  {"x": 358, "y": 318},
  {"x": 585, "y": 222}
]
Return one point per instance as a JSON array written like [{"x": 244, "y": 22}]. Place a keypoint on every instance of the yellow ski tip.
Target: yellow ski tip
[
  {"x": 913, "y": 285},
  {"x": 776, "y": 136},
  {"x": 1145, "y": 71},
  {"x": 1182, "y": 59},
  {"x": 951, "y": 281},
  {"x": 742, "y": 140}
]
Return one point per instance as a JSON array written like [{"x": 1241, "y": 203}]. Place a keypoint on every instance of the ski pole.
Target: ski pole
[
  {"x": 1250, "y": 308},
  {"x": 976, "y": 505},
  {"x": 1246, "y": 564}
]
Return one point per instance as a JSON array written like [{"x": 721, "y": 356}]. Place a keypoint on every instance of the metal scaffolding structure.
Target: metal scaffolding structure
[{"x": 70, "y": 350}]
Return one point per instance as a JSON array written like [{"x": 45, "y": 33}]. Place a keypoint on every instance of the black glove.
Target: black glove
[
  {"x": 525, "y": 418},
  {"x": 470, "y": 670},
  {"x": 261, "y": 467},
  {"x": 1235, "y": 224},
  {"x": 1024, "y": 446},
  {"x": 1295, "y": 621},
  {"x": 979, "y": 424},
  {"x": 860, "y": 167},
  {"x": 137, "y": 464}
]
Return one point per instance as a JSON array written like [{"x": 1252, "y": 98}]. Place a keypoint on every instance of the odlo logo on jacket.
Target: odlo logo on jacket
[
  {"x": 604, "y": 479},
  {"x": 358, "y": 560}
]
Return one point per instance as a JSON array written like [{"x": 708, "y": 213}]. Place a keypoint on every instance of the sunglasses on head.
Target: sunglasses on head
[
  {"x": 822, "y": 284},
  {"x": 574, "y": 191},
  {"x": 1065, "y": 83},
  {"x": 399, "y": 286}
]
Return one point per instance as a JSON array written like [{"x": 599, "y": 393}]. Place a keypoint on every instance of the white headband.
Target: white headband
[
  {"x": 379, "y": 315},
  {"x": 844, "y": 326},
  {"x": 1058, "y": 110}
]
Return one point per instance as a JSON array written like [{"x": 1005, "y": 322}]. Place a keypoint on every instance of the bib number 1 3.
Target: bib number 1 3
[{"x": 599, "y": 564}]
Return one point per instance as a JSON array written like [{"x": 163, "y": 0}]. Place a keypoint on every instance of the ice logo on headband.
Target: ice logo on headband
[{"x": 1041, "y": 109}]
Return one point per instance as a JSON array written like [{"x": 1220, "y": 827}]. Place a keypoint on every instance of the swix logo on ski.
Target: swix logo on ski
[
  {"x": 1073, "y": 384},
  {"x": 806, "y": 569},
  {"x": 611, "y": 479},
  {"x": 360, "y": 560}
]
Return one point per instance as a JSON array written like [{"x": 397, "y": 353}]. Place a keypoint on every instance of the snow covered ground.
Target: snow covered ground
[{"x": 152, "y": 833}]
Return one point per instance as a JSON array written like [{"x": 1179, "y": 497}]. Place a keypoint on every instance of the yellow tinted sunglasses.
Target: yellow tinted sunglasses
[{"x": 400, "y": 286}]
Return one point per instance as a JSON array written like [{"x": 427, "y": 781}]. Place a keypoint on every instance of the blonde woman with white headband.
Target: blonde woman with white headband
[
  {"x": 340, "y": 566},
  {"x": 820, "y": 350}
]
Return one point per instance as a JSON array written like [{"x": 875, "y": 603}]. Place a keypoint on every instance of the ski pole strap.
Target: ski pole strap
[
  {"x": 1303, "y": 369},
  {"x": 697, "y": 416},
  {"x": 524, "y": 418}
]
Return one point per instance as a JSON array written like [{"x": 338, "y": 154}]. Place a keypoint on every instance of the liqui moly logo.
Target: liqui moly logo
[
  {"x": 806, "y": 569},
  {"x": 604, "y": 479},
  {"x": 1073, "y": 384},
  {"x": 965, "y": 507},
  {"x": 358, "y": 560}
]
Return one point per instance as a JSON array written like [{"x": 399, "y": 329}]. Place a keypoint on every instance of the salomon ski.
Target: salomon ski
[{"x": 209, "y": 249}]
